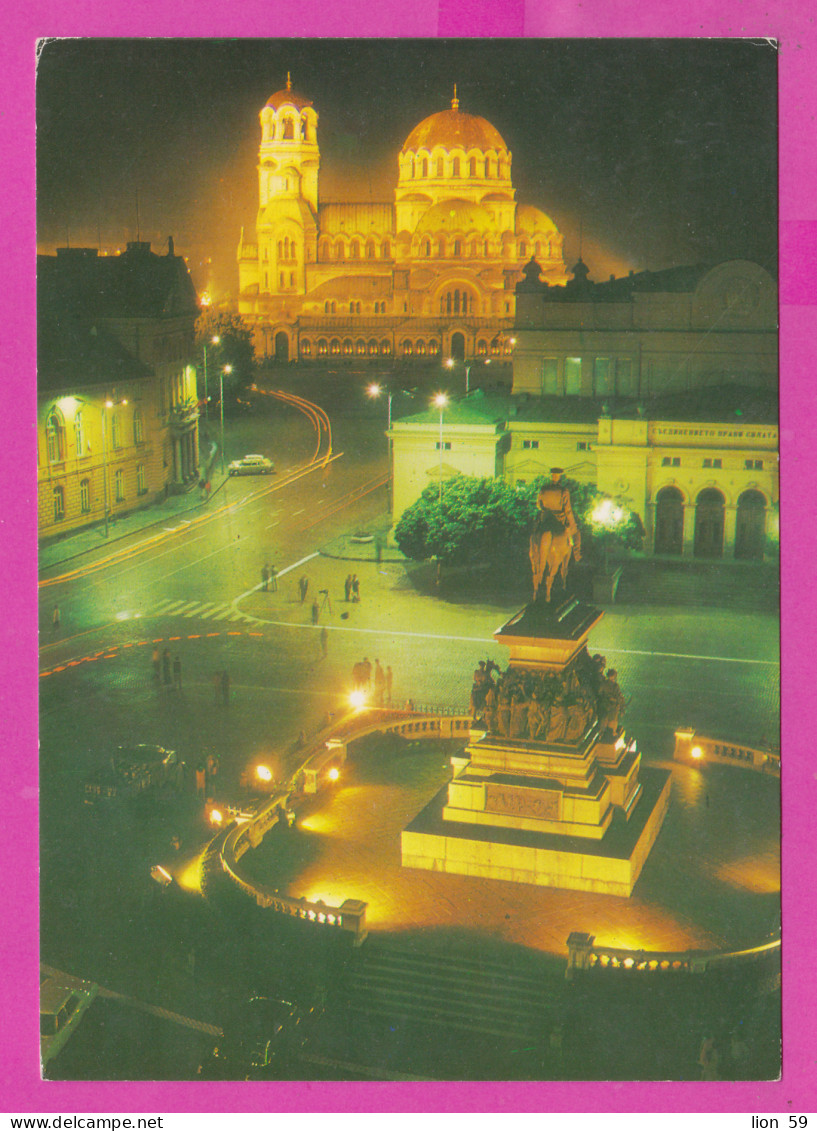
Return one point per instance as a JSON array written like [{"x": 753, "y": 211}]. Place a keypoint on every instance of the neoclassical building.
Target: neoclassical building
[
  {"x": 431, "y": 273},
  {"x": 117, "y": 408},
  {"x": 661, "y": 388}
]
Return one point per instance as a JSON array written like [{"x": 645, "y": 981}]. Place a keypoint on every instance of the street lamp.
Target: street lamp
[
  {"x": 224, "y": 369},
  {"x": 450, "y": 363},
  {"x": 107, "y": 404},
  {"x": 215, "y": 340},
  {"x": 441, "y": 400}
]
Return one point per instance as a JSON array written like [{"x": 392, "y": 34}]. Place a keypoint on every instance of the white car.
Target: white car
[
  {"x": 251, "y": 465},
  {"x": 61, "y": 1008}
]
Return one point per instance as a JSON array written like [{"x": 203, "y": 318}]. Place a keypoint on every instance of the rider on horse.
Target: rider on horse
[{"x": 555, "y": 514}]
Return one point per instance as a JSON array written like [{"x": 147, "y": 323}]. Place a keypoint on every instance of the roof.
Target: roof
[
  {"x": 475, "y": 409},
  {"x": 452, "y": 128},
  {"x": 136, "y": 284},
  {"x": 289, "y": 97},
  {"x": 376, "y": 220},
  {"x": 71, "y": 355},
  {"x": 721, "y": 404}
]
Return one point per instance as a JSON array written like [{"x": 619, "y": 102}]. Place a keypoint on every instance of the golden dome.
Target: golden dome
[
  {"x": 287, "y": 97},
  {"x": 452, "y": 128}
]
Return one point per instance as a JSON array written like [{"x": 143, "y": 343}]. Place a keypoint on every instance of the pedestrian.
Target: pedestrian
[
  {"x": 166, "y": 678},
  {"x": 55, "y": 620},
  {"x": 303, "y": 588},
  {"x": 156, "y": 660},
  {"x": 201, "y": 779},
  {"x": 347, "y": 587},
  {"x": 324, "y": 642},
  {"x": 225, "y": 687},
  {"x": 355, "y": 589},
  {"x": 265, "y": 576},
  {"x": 273, "y": 579},
  {"x": 177, "y": 672},
  {"x": 316, "y": 612},
  {"x": 708, "y": 1059},
  {"x": 389, "y": 681},
  {"x": 379, "y": 684}
]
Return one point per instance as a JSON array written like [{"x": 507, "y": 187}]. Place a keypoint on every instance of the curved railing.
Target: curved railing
[
  {"x": 584, "y": 955},
  {"x": 695, "y": 749}
]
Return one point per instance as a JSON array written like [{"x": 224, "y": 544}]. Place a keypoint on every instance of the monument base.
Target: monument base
[{"x": 610, "y": 866}]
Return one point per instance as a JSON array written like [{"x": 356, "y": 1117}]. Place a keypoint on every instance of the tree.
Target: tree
[
  {"x": 485, "y": 521},
  {"x": 234, "y": 349}
]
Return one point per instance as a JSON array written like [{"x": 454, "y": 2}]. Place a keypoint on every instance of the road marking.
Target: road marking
[
  {"x": 301, "y": 511},
  {"x": 186, "y": 607}
]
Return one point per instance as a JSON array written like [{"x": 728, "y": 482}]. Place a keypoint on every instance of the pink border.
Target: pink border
[{"x": 790, "y": 22}]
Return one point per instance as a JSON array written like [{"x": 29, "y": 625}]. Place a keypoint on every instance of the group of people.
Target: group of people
[
  {"x": 351, "y": 588},
  {"x": 550, "y": 707},
  {"x": 166, "y": 671},
  {"x": 367, "y": 678}
]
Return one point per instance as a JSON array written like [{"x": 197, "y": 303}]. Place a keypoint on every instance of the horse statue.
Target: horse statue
[{"x": 549, "y": 555}]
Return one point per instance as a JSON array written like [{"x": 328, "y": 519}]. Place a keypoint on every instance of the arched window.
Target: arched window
[
  {"x": 427, "y": 248},
  {"x": 455, "y": 167},
  {"x": 482, "y": 348},
  {"x": 489, "y": 167},
  {"x": 55, "y": 438},
  {"x": 322, "y": 347},
  {"x": 360, "y": 347},
  {"x": 289, "y": 129},
  {"x": 339, "y": 250},
  {"x": 59, "y": 504},
  {"x": 335, "y": 346},
  {"x": 116, "y": 430},
  {"x": 354, "y": 252},
  {"x": 407, "y": 349},
  {"x": 141, "y": 480},
  {"x": 486, "y": 247},
  {"x": 457, "y": 248},
  {"x": 79, "y": 435},
  {"x": 85, "y": 496},
  {"x": 370, "y": 250},
  {"x": 523, "y": 248},
  {"x": 433, "y": 346},
  {"x": 472, "y": 166},
  {"x": 425, "y": 166},
  {"x": 372, "y": 346},
  {"x": 421, "y": 347},
  {"x": 441, "y": 249},
  {"x": 280, "y": 249},
  {"x": 386, "y": 249},
  {"x": 385, "y": 346},
  {"x": 119, "y": 482},
  {"x": 326, "y": 308},
  {"x": 138, "y": 426},
  {"x": 306, "y": 347},
  {"x": 347, "y": 346},
  {"x": 351, "y": 308}
]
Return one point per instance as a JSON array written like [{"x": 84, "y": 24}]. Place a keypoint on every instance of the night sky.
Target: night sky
[{"x": 659, "y": 152}]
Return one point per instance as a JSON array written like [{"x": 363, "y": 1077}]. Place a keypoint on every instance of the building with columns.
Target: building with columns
[
  {"x": 432, "y": 272},
  {"x": 660, "y": 388},
  {"x": 117, "y": 418}
]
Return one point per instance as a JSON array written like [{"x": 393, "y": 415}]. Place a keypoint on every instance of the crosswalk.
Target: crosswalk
[{"x": 199, "y": 610}]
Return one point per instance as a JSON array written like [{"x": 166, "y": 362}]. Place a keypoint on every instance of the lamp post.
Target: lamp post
[
  {"x": 106, "y": 405},
  {"x": 213, "y": 341},
  {"x": 441, "y": 400},
  {"x": 224, "y": 369},
  {"x": 450, "y": 363}
]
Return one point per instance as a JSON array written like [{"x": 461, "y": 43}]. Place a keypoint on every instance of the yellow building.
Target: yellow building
[
  {"x": 117, "y": 415},
  {"x": 432, "y": 273}
]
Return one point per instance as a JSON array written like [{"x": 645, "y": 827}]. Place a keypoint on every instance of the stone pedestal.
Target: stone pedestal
[{"x": 540, "y": 795}]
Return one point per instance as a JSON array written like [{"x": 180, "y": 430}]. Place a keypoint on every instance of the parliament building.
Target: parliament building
[{"x": 432, "y": 273}]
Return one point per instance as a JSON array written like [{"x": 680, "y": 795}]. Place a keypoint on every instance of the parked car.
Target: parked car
[
  {"x": 260, "y": 1042},
  {"x": 61, "y": 1008},
  {"x": 251, "y": 465},
  {"x": 134, "y": 770}
]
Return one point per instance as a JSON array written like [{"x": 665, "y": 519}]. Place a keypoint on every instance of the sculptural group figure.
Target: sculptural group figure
[{"x": 530, "y": 704}]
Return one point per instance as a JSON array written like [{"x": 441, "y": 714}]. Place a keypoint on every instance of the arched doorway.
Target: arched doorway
[
  {"x": 709, "y": 524},
  {"x": 750, "y": 527},
  {"x": 281, "y": 346},
  {"x": 458, "y": 346},
  {"x": 669, "y": 521}
]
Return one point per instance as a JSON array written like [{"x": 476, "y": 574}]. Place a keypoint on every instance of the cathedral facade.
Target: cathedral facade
[{"x": 431, "y": 274}]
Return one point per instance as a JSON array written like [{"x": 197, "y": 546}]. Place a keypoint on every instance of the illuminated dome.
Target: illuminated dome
[
  {"x": 455, "y": 215},
  {"x": 288, "y": 97},
  {"x": 530, "y": 219},
  {"x": 452, "y": 128}
]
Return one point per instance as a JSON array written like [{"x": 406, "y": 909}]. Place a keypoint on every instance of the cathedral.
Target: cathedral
[{"x": 431, "y": 274}]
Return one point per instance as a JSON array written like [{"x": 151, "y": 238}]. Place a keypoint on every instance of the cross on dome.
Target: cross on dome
[
  {"x": 289, "y": 82},
  {"x": 455, "y": 102}
]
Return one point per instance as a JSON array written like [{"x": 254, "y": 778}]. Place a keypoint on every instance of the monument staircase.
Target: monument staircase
[
  {"x": 391, "y": 985},
  {"x": 742, "y": 586}
]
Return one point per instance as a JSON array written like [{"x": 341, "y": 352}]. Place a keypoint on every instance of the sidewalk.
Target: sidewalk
[{"x": 170, "y": 510}]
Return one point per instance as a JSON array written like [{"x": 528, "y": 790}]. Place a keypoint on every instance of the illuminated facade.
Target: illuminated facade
[
  {"x": 117, "y": 416},
  {"x": 432, "y": 273}
]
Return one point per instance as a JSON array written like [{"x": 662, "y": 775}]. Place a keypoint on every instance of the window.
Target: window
[
  {"x": 323, "y": 347},
  {"x": 79, "y": 435},
  {"x": 306, "y": 348},
  {"x": 625, "y": 385},
  {"x": 457, "y": 247},
  {"x": 440, "y": 167},
  {"x": 335, "y": 346},
  {"x": 120, "y": 485},
  {"x": 85, "y": 496},
  {"x": 339, "y": 250},
  {"x": 347, "y": 346},
  {"x": 601, "y": 376},
  {"x": 530, "y": 443},
  {"x": 116, "y": 431},
  {"x": 385, "y": 346},
  {"x": 141, "y": 479},
  {"x": 671, "y": 461},
  {"x": 407, "y": 348},
  {"x": 472, "y": 166},
  {"x": 138, "y": 427},
  {"x": 712, "y": 463},
  {"x": 59, "y": 504},
  {"x": 386, "y": 250},
  {"x": 289, "y": 129},
  {"x": 425, "y": 167},
  {"x": 360, "y": 347},
  {"x": 354, "y": 252},
  {"x": 753, "y": 464},
  {"x": 427, "y": 248},
  {"x": 482, "y": 347},
  {"x": 573, "y": 375},
  {"x": 455, "y": 167},
  {"x": 55, "y": 438},
  {"x": 582, "y": 446},
  {"x": 446, "y": 445},
  {"x": 292, "y": 278},
  {"x": 523, "y": 249},
  {"x": 550, "y": 375},
  {"x": 370, "y": 251}
]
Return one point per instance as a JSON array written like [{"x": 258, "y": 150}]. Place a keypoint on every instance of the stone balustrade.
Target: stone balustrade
[
  {"x": 695, "y": 749},
  {"x": 583, "y": 955}
]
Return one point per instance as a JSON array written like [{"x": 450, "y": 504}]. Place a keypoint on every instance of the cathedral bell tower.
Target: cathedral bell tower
[{"x": 288, "y": 162}]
